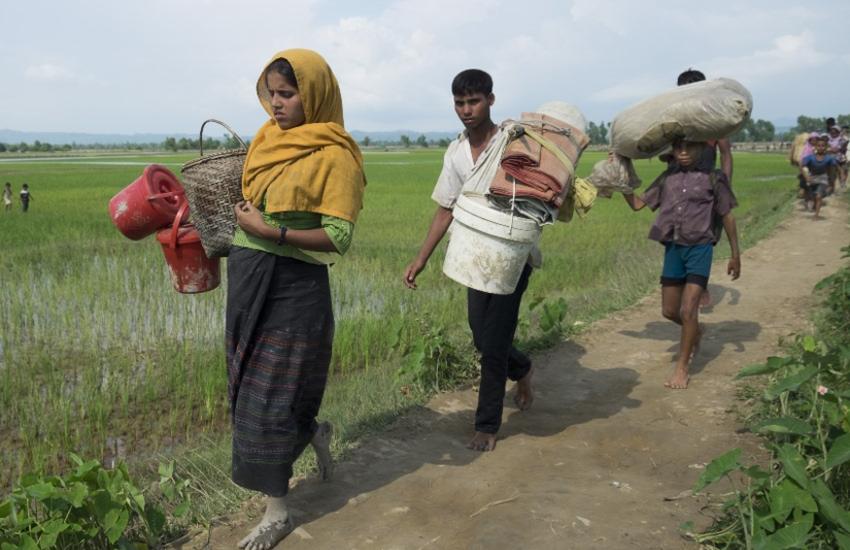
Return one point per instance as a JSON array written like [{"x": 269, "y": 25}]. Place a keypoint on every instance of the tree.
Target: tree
[
  {"x": 405, "y": 141},
  {"x": 755, "y": 130},
  {"x": 2, "y": 147},
  {"x": 211, "y": 143},
  {"x": 763, "y": 130},
  {"x": 366, "y": 141},
  {"x": 170, "y": 144},
  {"x": 230, "y": 142},
  {"x": 809, "y": 124},
  {"x": 443, "y": 142},
  {"x": 422, "y": 141},
  {"x": 598, "y": 134}
]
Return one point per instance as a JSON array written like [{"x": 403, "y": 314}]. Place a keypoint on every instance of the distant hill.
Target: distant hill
[
  {"x": 62, "y": 138},
  {"x": 395, "y": 135}
]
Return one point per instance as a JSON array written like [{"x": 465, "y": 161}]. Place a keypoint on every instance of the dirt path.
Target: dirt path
[{"x": 591, "y": 464}]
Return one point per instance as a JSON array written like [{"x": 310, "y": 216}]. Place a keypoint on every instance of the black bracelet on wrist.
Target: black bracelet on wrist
[{"x": 281, "y": 240}]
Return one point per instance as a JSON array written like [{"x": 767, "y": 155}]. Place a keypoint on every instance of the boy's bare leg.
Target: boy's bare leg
[
  {"x": 689, "y": 316},
  {"x": 482, "y": 442},
  {"x": 705, "y": 298},
  {"x": 524, "y": 394},
  {"x": 671, "y": 303},
  {"x": 817, "y": 205}
]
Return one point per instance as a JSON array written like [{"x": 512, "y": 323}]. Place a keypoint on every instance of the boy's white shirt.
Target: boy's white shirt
[{"x": 457, "y": 167}]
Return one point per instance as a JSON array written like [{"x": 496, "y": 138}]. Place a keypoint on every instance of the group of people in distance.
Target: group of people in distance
[
  {"x": 25, "y": 197},
  {"x": 822, "y": 163},
  {"x": 303, "y": 185}
]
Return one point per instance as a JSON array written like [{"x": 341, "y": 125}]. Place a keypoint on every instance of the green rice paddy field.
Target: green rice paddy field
[{"x": 95, "y": 345}]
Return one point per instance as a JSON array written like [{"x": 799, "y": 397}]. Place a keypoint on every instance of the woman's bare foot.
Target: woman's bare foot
[
  {"x": 679, "y": 379},
  {"x": 482, "y": 442},
  {"x": 321, "y": 443},
  {"x": 524, "y": 396},
  {"x": 272, "y": 529}
]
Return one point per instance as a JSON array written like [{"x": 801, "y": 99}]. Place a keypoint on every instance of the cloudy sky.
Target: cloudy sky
[{"x": 163, "y": 66}]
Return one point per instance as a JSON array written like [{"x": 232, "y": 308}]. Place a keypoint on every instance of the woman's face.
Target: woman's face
[{"x": 287, "y": 109}]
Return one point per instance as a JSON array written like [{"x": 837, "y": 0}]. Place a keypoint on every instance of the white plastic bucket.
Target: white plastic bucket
[{"x": 488, "y": 248}]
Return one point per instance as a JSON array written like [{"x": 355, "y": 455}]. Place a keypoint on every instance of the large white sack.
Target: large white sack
[{"x": 711, "y": 109}]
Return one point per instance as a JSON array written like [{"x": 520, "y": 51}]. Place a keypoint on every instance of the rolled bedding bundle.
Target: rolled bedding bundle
[
  {"x": 711, "y": 109},
  {"x": 536, "y": 172}
]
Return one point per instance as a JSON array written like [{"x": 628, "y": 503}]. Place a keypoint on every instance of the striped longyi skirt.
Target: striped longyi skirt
[{"x": 279, "y": 334}]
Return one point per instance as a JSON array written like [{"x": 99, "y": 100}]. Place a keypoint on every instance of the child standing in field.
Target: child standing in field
[
  {"x": 26, "y": 196},
  {"x": 7, "y": 196},
  {"x": 492, "y": 317},
  {"x": 689, "y": 195},
  {"x": 819, "y": 169}
]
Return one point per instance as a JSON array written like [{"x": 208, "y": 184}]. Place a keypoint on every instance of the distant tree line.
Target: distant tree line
[
  {"x": 169, "y": 144},
  {"x": 404, "y": 141},
  {"x": 753, "y": 130}
]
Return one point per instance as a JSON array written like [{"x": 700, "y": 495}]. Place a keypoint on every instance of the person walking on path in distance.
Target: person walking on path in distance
[
  {"x": 26, "y": 197},
  {"x": 303, "y": 184},
  {"x": 690, "y": 196},
  {"x": 820, "y": 170},
  {"x": 492, "y": 317},
  {"x": 7, "y": 197}
]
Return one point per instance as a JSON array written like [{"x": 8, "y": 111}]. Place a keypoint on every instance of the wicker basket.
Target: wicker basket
[{"x": 213, "y": 186}]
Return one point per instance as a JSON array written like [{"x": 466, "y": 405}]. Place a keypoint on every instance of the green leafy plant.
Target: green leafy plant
[
  {"x": 433, "y": 361},
  {"x": 801, "y": 499},
  {"x": 91, "y": 507}
]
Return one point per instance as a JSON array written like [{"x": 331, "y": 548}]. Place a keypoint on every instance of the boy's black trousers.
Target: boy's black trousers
[{"x": 493, "y": 320}]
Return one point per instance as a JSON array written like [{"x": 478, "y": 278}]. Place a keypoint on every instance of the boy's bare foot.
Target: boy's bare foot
[
  {"x": 482, "y": 442},
  {"x": 524, "y": 396},
  {"x": 321, "y": 443},
  {"x": 679, "y": 379}
]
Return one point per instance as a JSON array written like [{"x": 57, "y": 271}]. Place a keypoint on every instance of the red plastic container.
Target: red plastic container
[
  {"x": 147, "y": 204},
  {"x": 190, "y": 268}
]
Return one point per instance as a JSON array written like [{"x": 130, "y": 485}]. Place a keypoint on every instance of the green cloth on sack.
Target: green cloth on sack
[{"x": 339, "y": 232}]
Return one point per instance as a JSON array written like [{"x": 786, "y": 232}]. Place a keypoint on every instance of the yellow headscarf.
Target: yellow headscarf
[{"x": 316, "y": 167}]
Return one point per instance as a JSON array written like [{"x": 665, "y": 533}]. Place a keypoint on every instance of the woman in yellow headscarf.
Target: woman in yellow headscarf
[{"x": 303, "y": 186}]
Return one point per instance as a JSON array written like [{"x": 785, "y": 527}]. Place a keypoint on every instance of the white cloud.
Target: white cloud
[
  {"x": 49, "y": 72},
  {"x": 790, "y": 53},
  {"x": 165, "y": 65}
]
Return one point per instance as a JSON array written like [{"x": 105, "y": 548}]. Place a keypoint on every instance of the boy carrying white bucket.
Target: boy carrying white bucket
[{"x": 492, "y": 317}]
